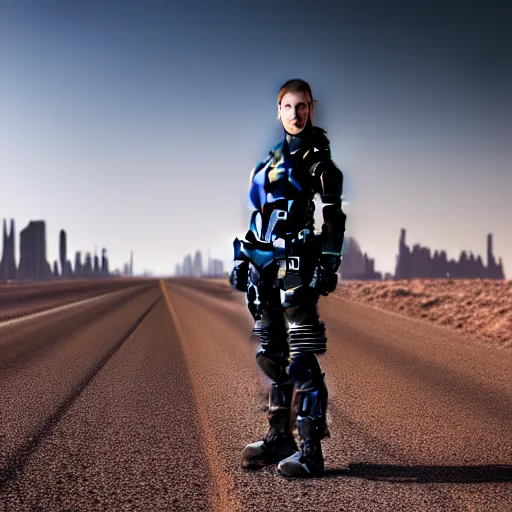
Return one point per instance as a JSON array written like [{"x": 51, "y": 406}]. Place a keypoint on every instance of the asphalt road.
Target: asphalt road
[{"x": 141, "y": 398}]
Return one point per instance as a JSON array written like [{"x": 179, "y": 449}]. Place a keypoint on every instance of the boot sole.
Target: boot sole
[
  {"x": 300, "y": 477},
  {"x": 254, "y": 465},
  {"x": 261, "y": 463}
]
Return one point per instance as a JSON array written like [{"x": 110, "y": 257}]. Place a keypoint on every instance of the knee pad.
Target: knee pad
[
  {"x": 305, "y": 370},
  {"x": 307, "y": 339},
  {"x": 271, "y": 337},
  {"x": 273, "y": 365}
]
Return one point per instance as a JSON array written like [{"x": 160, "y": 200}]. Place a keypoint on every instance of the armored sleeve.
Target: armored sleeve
[{"x": 331, "y": 189}]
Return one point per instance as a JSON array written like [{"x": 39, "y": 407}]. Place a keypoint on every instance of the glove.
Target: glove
[
  {"x": 325, "y": 278},
  {"x": 239, "y": 276},
  {"x": 330, "y": 262}
]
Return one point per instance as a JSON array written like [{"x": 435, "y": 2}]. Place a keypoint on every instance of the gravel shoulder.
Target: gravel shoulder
[{"x": 481, "y": 307}]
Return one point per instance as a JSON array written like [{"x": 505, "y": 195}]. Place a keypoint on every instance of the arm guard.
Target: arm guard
[{"x": 331, "y": 189}]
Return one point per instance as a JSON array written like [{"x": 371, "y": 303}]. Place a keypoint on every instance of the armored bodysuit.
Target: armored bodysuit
[{"x": 284, "y": 266}]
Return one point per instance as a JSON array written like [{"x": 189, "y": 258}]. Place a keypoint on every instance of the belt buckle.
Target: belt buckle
[
  {"x": 293, "y": 263},
  {"x": 289, "y": 264}
]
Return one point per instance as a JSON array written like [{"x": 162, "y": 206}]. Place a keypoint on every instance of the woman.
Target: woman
[{"x": 284, "y": 267}]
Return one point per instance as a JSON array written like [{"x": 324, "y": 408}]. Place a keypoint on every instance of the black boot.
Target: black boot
[
  {"x": 279, "y": 442},
  {"x": 312, "y": 428}
]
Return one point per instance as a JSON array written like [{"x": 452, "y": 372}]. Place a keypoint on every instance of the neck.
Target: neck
[{"x": 295, "y": 142}]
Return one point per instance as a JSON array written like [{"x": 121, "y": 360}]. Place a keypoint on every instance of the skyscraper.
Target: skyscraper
[
  {"x": 104, "y": 263},
  {"x": 197, "y": 266},
  {"x": 8, "y": 262},
  {"x": 33, "y": 264},
  {"x": 63, "y": 253},
  {"x": 78, "y": 264}
]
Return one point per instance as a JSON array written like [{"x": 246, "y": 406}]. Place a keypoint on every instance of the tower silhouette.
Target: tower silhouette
[
  {"x": 78, "y": 264},
  {"x": 63, "y": 253},
  {"x": 33, "y": 264},
  {"x": 104, "y": 262},
  {"x": 8, "y": 263}
]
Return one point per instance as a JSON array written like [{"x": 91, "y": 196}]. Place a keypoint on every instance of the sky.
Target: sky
[{"x": 135, "y": 125}]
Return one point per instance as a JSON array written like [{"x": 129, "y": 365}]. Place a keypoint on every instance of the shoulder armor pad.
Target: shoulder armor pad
[
  {"x": 320, "y": 139},
  {"x": 277, "y": 147},
  {"x": 276, "y": 152},
  {"x": 258, "y": 167},
  {"x": 318, "y": 148}
]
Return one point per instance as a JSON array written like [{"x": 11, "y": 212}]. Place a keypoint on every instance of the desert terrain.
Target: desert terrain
[{"x": 480, "y": 307}]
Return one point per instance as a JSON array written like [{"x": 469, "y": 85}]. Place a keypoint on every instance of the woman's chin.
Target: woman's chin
[{"x": 294, "y": 129}]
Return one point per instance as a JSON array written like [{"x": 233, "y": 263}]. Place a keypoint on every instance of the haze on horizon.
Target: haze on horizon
[{"x": 135, "y": 125}]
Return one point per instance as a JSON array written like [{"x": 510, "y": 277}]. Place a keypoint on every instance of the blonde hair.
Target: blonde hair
[{"x": 296, "y": 85}]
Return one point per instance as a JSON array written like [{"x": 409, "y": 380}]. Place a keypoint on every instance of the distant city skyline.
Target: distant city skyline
[
  {"x": 194, "y": 266},
  {"x": 24, "y": 256},
  {"x": 134, "y": 125}
]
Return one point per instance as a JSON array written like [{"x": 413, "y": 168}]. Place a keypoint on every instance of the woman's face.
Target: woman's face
[{"x": 294, "y": 111}]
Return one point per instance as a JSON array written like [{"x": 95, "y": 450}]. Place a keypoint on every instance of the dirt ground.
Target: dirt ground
[{"x": 482, "y": 307}]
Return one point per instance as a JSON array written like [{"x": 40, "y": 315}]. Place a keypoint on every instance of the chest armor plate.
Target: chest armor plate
[{"x": 282, "y": 191}]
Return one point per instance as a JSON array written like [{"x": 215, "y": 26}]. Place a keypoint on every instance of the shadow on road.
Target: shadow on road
[{"x": 425, "y": 474}]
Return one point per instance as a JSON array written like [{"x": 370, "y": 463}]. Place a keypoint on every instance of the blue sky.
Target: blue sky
[{"x": 136, "y": 125}]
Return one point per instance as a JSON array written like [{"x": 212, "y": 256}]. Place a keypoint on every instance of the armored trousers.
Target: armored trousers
[{"x": 291, "y": 336}]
